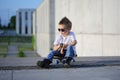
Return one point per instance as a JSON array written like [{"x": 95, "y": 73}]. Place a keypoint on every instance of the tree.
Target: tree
[
  {"x": 12, "y": 23},
  {"x": 0, "y": 23}
]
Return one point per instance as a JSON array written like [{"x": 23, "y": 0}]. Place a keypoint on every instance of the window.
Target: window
[
  {"x": 31, "y": 22},
  {"x": 26, "y": 30},
  {"x": 26, "y": 16},
  {"x": 20, "y": 23}
]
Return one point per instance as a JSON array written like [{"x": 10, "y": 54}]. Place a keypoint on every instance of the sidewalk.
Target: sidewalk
[
  {"x": 30, "y": 62},
  {"x": 12, "y": 50},
  {"x": 85, "y": 68}
]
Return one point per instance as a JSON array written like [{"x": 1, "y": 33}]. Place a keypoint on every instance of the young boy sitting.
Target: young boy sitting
[{"x": 64, "y": 44}]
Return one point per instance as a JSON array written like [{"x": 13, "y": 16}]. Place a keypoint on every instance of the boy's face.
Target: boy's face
[{"x": 64, "y": 31}]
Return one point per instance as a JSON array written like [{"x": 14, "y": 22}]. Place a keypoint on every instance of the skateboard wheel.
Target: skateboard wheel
[
  {"x": 73, "y": 60},
  {"x": 64, "y": 61},
  {"x": 57, "y": 61}
]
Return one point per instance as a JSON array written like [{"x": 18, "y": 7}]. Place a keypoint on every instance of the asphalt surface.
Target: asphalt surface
[{"x": 85, "y": 68}]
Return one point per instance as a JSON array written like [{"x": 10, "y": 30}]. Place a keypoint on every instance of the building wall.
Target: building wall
[
  {"x": 95, "y": 23},
  {"x": 42, "y": 29},
  {"x": 24, "y": 22}
]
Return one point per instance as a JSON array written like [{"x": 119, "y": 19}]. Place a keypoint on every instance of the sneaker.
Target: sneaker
[
  {"x": 67, "y": 62},
  {"x": 66, "y": 65},
  {"x": 44, "y": 64},
  {"x": 75, "y": 55},
  {"x": 64, "y": 61},
  {"x": 40, "y": 64}
]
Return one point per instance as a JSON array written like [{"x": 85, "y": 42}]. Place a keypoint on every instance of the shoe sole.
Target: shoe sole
[
  {"x": 67, "y": 65},
  {"x": 39, "y": 63},
  {"x": 42, "y": 65}
]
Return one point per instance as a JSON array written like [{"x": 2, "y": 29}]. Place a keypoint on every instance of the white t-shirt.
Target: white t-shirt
[{"x": 66, "y": 40}]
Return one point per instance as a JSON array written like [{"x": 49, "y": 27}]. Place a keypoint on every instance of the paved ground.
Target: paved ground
[
  {"x": 12, "y": 51},
  {"x": 99, "y": 68},
  {"x": 94, "y": 73}
]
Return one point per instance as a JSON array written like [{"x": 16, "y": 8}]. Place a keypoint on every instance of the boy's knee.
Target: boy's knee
[{"x": 70, "y": 47}]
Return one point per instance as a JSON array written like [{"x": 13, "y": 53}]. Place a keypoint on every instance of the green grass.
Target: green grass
[
  {"x": 25, "y": 48},
  {"x": 25, "y": 44},
  {"x": 2, "y": 55},
  {"x": 33, "y": 41},
  {"x": 3, "y": 48},
  {"x": 22, "y": 39}
]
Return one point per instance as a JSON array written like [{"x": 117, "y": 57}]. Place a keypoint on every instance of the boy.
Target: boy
[{"x": 64, "y": 45}]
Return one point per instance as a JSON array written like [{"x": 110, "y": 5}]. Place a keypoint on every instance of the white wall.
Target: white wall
[
  {"x": 95, "y": 23},
  {"x": 43, "y": 29}
]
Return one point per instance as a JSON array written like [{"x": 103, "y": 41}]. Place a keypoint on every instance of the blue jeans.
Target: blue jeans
[{"x": 69, "y": 53}]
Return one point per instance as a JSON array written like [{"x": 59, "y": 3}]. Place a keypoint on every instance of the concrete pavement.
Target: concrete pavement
[
  {"x": 80, "y": 61},
  {"x": 96, "y": 73},
  {"x": 85, "y": 68},
  {"x": 12, "y": 50},
  {"x": 103, "y": 73}
]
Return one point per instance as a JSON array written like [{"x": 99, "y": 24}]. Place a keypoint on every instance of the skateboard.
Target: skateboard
[
  {"x": 56, "y": 60},
  {"x": 61, "y": 60}
]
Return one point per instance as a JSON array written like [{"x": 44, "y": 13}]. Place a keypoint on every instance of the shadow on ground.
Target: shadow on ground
[{"x": 77, "y": 64}]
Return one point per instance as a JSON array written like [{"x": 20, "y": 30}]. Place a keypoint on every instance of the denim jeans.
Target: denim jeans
[{"x": 69, "y": 53}]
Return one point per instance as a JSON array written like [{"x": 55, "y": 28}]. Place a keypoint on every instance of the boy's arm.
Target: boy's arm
[
  {"x": 73, "y": 43},
  {"x": 56, "y": 47},
  {"x": 73, "y": 40}
]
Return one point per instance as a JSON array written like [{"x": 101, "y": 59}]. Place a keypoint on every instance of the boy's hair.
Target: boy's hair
[{"x": 66, "y": 22}]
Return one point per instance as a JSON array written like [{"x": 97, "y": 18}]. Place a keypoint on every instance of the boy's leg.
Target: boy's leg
[
  {"x": 69, "y": 54},
  {"x": 51, "y": 55},
  {"x": 45, "y": 63}
]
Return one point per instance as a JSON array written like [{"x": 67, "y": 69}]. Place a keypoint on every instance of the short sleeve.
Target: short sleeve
[
  {"x": 57, "y": 40},
  {"x": 73, "y": 37}
]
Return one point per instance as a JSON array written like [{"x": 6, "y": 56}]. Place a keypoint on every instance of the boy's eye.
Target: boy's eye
[{"x": 61, "y": 29}]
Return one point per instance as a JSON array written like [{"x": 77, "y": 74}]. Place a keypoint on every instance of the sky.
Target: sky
[{"x": 8, "y": 8}]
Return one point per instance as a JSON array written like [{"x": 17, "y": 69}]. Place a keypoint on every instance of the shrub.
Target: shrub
[
  {"x": 3, "y": 55},
  {"x": 21, "y": 54},
  {"x": 33, "y": 42}
]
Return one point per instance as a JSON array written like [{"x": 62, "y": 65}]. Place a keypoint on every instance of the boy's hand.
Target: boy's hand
[
  {"x": 62, "y": 51},
  {"x": 73, "y": 43}
]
